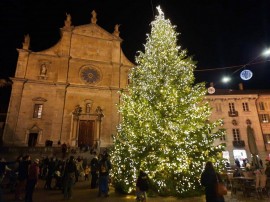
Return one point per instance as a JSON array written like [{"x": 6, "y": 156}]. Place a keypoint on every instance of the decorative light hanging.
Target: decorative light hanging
[{"x": 246, "y": 74}]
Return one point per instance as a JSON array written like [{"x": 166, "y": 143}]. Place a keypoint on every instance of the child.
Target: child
[
  {"x": 86, "y": 173},
  {"x": 142, "y": 186}
]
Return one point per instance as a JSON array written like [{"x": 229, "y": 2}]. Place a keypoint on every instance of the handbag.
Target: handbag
[{"x": 221, "y": 188}]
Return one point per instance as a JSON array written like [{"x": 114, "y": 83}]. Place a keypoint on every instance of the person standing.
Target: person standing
[
  {"x": 237, "y": 163},
  {"x": 94, "y": 170},
  {"x": 267, "y": 169},
  {"x": 69, "y": 177},
  {"x": 22, "y": 177},
  {"x": 3, "y": 169},
  {"x": 64, "y": 150},
  {"x": 33, "y": 173},
  {"x": 104, "y": 169},
  {"x": 142, "y": 186},
  {"x": 51, "y": 171},
  {"x": 209, "y": 180}
]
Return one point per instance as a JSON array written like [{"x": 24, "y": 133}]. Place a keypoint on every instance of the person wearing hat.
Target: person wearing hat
[{"x": 33, "y": 173}]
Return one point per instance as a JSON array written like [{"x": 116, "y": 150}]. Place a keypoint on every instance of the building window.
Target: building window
[
  {"x": 264, "y": 118},
  {"x": 218, "y": 107},
  {"x": 248, "y": 122},
  {"x": 38, "y": 111},
  {"x": 267, "y": 138},
  {"x": 261, "y": 106},
  {"x": 245, "y": 106},
  {"x": 234, "y": 122},
  {"x": 223, "y": 137},
  {"x": 231, "y": 108},
  {"x": 236, "y": 134}
]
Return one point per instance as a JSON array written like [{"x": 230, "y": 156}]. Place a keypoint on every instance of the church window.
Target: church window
[{"x": 38, "y": 108}]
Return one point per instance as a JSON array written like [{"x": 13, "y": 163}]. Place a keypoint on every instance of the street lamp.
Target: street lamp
[{"x": 226, "y": 79}]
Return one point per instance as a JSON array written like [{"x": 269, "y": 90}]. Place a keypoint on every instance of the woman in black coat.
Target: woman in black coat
[{"x": 209, "y": 181}]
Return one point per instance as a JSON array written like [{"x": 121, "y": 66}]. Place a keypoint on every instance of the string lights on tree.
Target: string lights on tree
[{"x": 165, "y": 128}]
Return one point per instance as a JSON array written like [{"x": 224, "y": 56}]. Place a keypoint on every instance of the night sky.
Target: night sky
[{"x": 217, "y": 33}]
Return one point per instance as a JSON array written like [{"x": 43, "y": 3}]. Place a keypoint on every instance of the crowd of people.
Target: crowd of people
[{"x": 21, "y": 175}]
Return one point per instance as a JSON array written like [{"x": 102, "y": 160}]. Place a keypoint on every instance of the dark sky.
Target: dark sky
[{"x": 217, "y": 33}]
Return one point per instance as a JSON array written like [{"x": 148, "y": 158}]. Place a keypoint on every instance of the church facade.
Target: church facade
[{"x": 69, "y": 92}]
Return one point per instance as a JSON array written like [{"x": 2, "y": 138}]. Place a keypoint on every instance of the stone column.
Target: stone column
[{"x": 10, "y": 136}]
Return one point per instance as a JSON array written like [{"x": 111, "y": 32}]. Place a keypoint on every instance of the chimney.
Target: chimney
[{"x": 241, "y": 87}]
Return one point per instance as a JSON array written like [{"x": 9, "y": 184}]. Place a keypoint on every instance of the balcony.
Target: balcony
[
  {"x": 233, "y": 113},
  {"x": 239, "y": 144}
]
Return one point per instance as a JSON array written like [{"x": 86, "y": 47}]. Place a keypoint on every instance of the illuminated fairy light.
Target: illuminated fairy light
[{"x": 164, "y": 129}]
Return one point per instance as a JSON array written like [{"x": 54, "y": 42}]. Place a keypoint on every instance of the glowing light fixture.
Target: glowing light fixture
[
  {"x": 246, "y": 74},
  {"x": 226, "y": 79},
  {"x": 266, "y": 52}
]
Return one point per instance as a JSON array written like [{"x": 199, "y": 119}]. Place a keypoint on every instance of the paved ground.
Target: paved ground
[{"x": 83, "y": 193}]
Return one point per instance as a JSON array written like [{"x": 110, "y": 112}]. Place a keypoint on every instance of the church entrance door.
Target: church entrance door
[
  {"x": 32, "y": 140},
  {"x": 86, "y": 133}
]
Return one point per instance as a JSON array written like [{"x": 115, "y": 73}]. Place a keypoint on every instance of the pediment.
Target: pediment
[
  {"x": 40, "y": 99},
  {"x": 34, "y": 129},
  {"x": 93, "y": 30}
]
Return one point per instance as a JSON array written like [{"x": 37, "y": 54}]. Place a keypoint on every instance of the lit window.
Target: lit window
[
  {"x": 261, "y": 106},
  {"x": 38, "y": 111},
  {"x": 264, "y": 118},
  {"x": 236, "y": 134},
  {"x": 245, "y": 106},
  {"x": 231, "y": 107}
]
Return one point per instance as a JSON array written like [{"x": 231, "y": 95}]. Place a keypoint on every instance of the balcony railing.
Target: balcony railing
[
  {"x": 239, "y": 143},
  {"x": 233, "y": 114}
]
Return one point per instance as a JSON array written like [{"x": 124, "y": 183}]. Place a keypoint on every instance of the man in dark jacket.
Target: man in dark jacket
[
  {"x": 32, "y": 179},
  {"x": 22, "y": 176},
  {"x": 94, "y": 166},
  {"x": 69, "y": 177}
]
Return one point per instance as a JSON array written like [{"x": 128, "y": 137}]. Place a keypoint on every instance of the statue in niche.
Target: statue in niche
[
  {"x": 88, "y": 108},
  {"x": 99, "y": 111},
  {"x": 78, "y": 110},
  {"x": 94, "y": 17},
  {"x": 43, "y": 70},
  {"x": 116, "y": 30},
  {"x": 26, "y": 42},
  {"x": 100, "y": 114},
  {"x": 68, "y": 21}
]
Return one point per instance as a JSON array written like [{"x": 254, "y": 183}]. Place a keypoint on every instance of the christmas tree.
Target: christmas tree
[{"x": 165, "y": 128}]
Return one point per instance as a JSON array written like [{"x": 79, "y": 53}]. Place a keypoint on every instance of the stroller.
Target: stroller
[{"x": 58, "y": 180}]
